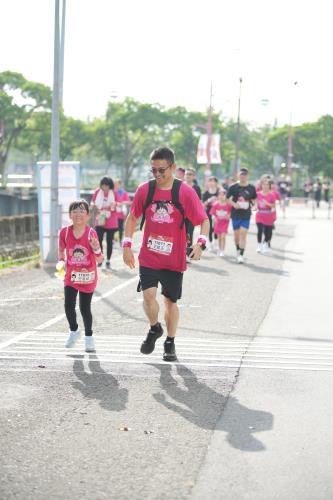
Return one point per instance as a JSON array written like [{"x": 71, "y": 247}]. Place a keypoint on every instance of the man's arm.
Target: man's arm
[
  {"x": 230, "y": 196},
  {"x": 204, "y": 231},
  {"x": 129, "y": 230}
]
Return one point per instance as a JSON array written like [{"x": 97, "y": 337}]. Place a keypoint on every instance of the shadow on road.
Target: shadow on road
[
  {"x": 99, "y": 385},
  {"x": 203, "y": 406}
]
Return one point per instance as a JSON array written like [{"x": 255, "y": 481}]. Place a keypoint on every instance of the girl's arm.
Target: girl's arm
[{"x": 94, "y": 243}]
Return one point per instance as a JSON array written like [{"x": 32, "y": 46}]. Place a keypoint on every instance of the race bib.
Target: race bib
[
  {"x": 244, "y": 205},
  {"x": 82, "y": 277},
  {"x": 160, "y": 244}
]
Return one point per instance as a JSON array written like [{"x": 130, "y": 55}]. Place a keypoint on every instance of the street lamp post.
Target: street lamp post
[
  {"x": 237, "y": 146},
  {"x": 55, "y": 209}
]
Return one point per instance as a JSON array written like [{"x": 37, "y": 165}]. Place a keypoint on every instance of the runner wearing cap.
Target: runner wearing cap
[
  {"x": 242, "y": 196},
  {"x": 162, "y": 256}
]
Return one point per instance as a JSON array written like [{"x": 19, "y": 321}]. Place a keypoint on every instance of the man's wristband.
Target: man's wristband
[
  {"x": 127, "y": 242},
  {"x": 202, "y": 239}
]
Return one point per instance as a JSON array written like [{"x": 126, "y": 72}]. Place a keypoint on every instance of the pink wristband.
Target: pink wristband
[{"x": 127, "y": 244}]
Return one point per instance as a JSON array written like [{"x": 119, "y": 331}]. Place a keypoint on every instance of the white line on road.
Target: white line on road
[{"x": 60, "y": 317}]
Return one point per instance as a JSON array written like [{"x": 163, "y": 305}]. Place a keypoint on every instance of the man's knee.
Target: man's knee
[
  {"x": 149, "y": 295},
  {"x": 169, "y": 304}
]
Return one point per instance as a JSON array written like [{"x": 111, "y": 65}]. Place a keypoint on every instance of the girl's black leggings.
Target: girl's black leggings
[
  {"x": 121, "y": 229},
  {"x": 85, "y": 309},
  {"x": 100, "y": 230},
  {"x": 211, "y": 228},
  {"x": 266, "y": 230}
]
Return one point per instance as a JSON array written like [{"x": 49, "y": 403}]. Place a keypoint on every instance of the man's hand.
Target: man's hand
[
  {"x": 196, "y": 252},
  {"x": 128, "y": 257}
]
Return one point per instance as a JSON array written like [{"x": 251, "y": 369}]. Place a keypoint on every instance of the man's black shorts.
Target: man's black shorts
[{"x": 171, "y": 281}]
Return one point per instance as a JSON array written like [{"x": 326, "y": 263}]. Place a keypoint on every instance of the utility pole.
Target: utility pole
[
  {"x": 55, "y": 209},
  {"x": 62, "y": 52},
  {"x": 209, "y": 128},
  {"x": 290, "y": 136},
  {"x": 237, "y": 146}
]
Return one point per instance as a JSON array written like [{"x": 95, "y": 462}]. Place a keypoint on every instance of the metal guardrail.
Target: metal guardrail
[{"x": 18, "y": 229}]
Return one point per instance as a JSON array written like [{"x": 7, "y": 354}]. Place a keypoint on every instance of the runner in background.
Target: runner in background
[
  {"x": 189, "y": 180},
  {"x": 220, "y": 212},
  {"x": 123, "y": 202},
  {"x": 162, "y": 256},
  {"x": 180, "y": 173},
  {"x": 327, "y": 189},
  {"x": 265, "y": 215},
  {"x": 317, "y": 187},
  {"x": 106, "y": 219},
  {"x": 79, "y": 250},
  {"x": 208, "y": 198},
  {"x": 242, "y": 197}
]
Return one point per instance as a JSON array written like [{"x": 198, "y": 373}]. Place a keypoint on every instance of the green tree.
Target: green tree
[
  {"x": 19, "y": 99},
  {"x": 128, "y": 134},
  {"x": 312, "y": 144}
]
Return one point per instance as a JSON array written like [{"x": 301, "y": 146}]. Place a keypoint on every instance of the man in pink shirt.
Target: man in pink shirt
[{"x": 162, "y": 256}]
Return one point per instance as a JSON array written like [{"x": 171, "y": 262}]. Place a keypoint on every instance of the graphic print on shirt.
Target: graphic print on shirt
[
  {"x": 82, "y": 271},
  {"x": 221, "y": 213},
  {"x": 162, "y": 211}
]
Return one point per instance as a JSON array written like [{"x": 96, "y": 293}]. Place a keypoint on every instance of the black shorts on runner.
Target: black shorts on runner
[{"x": 171, "y": 281}]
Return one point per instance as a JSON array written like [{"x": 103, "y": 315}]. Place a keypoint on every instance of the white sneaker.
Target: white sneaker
[
  {"x": 259, "y": 248},
  {"x": 90, "y": 344},
  {"x": 265, "y": 247},
  {"x": 72, "y": 339},
  {"x": 240, "y": 259},
  {"x": 221, "y": 254}
]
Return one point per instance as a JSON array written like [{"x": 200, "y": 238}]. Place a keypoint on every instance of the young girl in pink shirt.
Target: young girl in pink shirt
[
  {"x": 265, "y": 215},
  {"x": 221, "y": 211},
  {"x": 79, "y": 250}
]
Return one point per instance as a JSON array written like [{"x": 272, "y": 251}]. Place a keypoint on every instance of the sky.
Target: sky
[{"x": 169, "y": 52}]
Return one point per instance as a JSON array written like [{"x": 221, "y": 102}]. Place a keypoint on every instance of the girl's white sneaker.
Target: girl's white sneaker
[
  {"x": 90, "y": 344},
  {"x": 72, "y": 339}
]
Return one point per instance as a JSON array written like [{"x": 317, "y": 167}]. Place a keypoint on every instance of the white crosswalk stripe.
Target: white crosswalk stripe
[{"x": 258, "y": 353}]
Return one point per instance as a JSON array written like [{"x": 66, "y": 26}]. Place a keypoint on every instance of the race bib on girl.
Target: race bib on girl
[
  {"x": 160, "y": 244},
  {"x": 82, "y": 276}
]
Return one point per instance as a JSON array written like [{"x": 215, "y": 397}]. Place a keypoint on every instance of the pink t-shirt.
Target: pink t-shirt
[
  {"x": 266, "y": 215},
  {"x": 164, "y": 243},
  {"x": 81, "y": 270},
  {"x": 111, "y": 220},
  {"x": 121, "y": 210},
  {"x": 221, "y": 212}
]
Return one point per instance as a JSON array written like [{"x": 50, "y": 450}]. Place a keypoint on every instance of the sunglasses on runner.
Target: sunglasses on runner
[{"x": 159, "y": 170}]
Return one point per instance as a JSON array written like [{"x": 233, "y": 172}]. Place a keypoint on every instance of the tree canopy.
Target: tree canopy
[{"x": 129, "y": 130}]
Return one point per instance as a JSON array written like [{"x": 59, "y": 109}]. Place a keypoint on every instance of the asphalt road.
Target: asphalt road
[{"x": 120, "y": 425}]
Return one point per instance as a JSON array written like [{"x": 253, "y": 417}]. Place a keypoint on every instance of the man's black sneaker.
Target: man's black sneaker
[
  {"x": 148, "y": 345},
  {"x": 107, "y": 265},
  {"x": 169, "y": 351}
]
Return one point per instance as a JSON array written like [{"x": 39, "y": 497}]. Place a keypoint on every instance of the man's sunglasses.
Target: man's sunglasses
[{"x": 159, "y": 170}]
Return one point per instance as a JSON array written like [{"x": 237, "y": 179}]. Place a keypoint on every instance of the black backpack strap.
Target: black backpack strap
[
  {"x": 175, "y": 199},
  {"x": 149, "y": 199}
]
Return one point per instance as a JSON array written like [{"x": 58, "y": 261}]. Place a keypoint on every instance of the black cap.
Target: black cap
[{"x": 244, "y": 171}]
